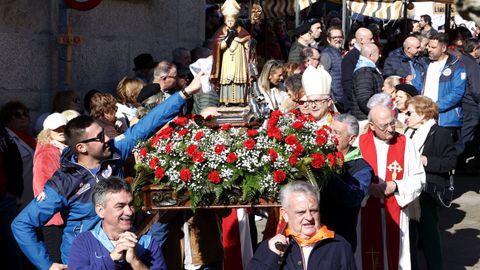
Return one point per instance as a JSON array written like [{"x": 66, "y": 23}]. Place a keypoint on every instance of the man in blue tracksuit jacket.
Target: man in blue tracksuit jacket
[
  {"x": 91, "y": 157},
  {"x": 448, "y": 72}
]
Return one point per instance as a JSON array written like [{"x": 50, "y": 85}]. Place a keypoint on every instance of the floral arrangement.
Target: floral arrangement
[{"x": 236, "y": 165}]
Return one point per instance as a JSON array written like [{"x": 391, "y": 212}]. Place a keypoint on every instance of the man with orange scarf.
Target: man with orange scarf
[
  {"x": 307, "y": 244},
  {"x": 391, "y": 200}
]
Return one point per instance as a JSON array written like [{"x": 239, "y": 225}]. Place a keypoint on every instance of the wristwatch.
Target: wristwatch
[{"x": 187, "y": 95}]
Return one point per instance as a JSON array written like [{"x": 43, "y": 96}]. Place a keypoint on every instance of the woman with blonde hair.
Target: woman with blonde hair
[
  {"x": 46, "y": 160},
  {"x": 270, "y": 83}
]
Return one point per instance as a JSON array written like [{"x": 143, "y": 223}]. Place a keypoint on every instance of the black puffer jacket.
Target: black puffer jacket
[{"x": 367, "y": 81}]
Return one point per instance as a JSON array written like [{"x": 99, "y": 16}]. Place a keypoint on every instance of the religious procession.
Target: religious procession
[{"x": 237, "y": 134}]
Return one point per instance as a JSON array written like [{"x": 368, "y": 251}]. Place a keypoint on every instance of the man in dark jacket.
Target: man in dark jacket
[
  {"x": 304, "y": 38},
  {"x": 471, "y": 99},
  {"x": 363, "y": 36},
  {"x": 331, "y": 60},
  {"x": 404, "y": 61},
  {"x": 11, "y": 188},
  {"x": 341, "y": 198},
  {"x": 307, "y": 244},
  {"x": 367, "y": 81},
  {"x": 91, "y": 157}
]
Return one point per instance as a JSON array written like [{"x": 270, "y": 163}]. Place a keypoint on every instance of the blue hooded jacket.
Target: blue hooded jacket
[
  {"x": 451, "y": 88},
  {"x": 70, "y": 188}
]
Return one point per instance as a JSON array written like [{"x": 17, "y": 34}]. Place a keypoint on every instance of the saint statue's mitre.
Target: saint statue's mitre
[{"x": 230, "y": 8}]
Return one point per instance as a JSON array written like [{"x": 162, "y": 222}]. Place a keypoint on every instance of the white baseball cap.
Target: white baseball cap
[{"x": 54, "y": 121}]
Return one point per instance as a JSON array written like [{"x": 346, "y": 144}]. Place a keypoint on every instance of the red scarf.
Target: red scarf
[
  {"x": 27, "y": 138},
  {"x": 372, "y": 244}
]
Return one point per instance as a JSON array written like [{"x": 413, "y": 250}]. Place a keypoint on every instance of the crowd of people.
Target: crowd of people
[{"x": 404, "y": 118}]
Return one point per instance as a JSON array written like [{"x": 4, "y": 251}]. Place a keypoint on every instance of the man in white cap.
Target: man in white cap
[{"x": 316, "y": 83}]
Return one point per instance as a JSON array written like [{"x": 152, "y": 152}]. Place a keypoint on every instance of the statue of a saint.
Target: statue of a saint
[{"x": 230, "y": 58}]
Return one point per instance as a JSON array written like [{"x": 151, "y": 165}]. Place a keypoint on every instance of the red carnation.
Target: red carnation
[
  {"x": 291, "y": 139},
  {"x": 332, "y": 159},
  {"x": 159, "y": 172},
  {"x": 214, "y": 177},
  {"x": 318, "y": 160},
  {"x": 297, "y": 125},
  {"x": 295, "y": 112},
  {"x": 185, "y": 174},
  {"x": 273, "y": 154},
  {"x": 276, "y": 114},
  {"x": 183, "y": 132},
  {"x": 181, "y": 121},
  {"x": 252, "y": 133},
  {"x": 320, "y": 140},
  {"x": 226, "y": 127},
  {"x": 340, "y": 157},
  {"x": 298, "y": 149},
  {"x": 198, "y": 157},
  {"x": 153, "y": 163},
  {"x": 169, "y": 147},
  {"x": 199, "y": 136},
  {"x": 191, "y": 150},
  {"x": 232, "y": 157},
  {"x": 272, "y": 121},
  {"x": 165, "y": 133},
  {"x": 292, "y": 160},
  {"x": 279, "y": 176},
  {"x": 143, "y": 152},
  {"x": 154, "y": 141},
  {"x": 274, "y": 132},
  {"x": 249, "y": 144},
  {"x": 219, "y": 148}
]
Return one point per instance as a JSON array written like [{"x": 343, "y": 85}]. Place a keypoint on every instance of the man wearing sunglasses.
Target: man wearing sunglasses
[
  {"x": 90, "y": 158},
  {"x": 398, "y": 181}
]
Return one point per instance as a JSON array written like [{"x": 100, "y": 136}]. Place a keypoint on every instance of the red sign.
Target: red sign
[{"x": 82, "y": 5}]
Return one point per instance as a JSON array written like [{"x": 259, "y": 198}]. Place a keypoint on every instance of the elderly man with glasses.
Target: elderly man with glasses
[
  {"x": 90, "y": 158},
  {"x": 390, "y": 202},
  {"x": 316, "y": 83}
]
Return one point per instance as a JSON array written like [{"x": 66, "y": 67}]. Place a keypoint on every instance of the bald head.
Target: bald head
[
  {"x": 379, "y": 111},
  {"x": 363, "y": 36},
  {"x": 370, "y": 51},
  {"x": 411, "y": 46}
]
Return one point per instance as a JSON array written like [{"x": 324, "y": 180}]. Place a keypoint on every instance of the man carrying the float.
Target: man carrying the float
[{"x": 399, "y": 178}]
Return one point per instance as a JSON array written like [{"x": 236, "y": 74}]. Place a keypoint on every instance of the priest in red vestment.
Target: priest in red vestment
[{"x": 392, "y": 197}]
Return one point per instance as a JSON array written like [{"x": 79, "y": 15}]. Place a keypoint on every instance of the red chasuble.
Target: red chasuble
[{"x": 371, "y": 218}]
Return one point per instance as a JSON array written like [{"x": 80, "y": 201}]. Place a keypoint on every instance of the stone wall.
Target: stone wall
[{"x": 112, "y": 35}]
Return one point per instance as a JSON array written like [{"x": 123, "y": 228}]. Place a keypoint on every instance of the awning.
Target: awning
[
  {"x": 385, "y": 10},
  {"x": 380, "y": 10},
  {"x": 278, "y": 8}
]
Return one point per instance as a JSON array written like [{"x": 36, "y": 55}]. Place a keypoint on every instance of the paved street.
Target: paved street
[{"x": 460, "y": 226}]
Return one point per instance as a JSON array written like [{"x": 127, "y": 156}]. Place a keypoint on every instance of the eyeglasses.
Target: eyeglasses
[
  {"x": 76, "y": 100},
  {"x": 408, "y": 113},
  {"x": 20, "y": 114},
  {"x": 384, "y": 127},
  {"x": 99, "y": 138},
  {"x": 299, "y": 102},
  {"x": 316, "y": 102}
]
